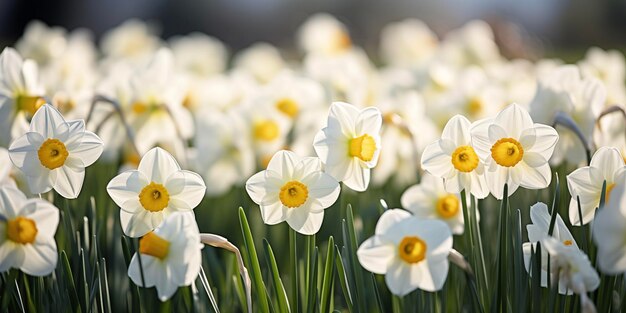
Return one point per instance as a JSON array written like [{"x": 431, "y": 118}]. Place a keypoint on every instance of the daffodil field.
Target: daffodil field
[{"x": 432, "y": 174}]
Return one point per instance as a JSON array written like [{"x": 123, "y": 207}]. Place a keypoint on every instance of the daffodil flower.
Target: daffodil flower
[
  {"x": 27, "y": 228},
  {"x": 170, "y": 255},
  {"x": 410, "y": 252},
  {"x": 155, "y": 190},
  {"x": 454, "y": 159},
  {"x": 295, "y": 190},
  {"x": 515, "y": 150},
  {"x": 538, "y": 231},
  {"x": 429, "y": 199},
  {"x": 586, "y": 182},
  {"x": 55, "y": 152},
  {"x": 349, "y": 145},
  {"x": 609, "y": 231}
]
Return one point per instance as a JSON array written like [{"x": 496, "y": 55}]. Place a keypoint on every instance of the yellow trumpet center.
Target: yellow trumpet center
[
  {"x": 464, "y": 159},
  {"x": 412, "y": 249},
  {"x": 29, "y": 104},
  {"x": 474, "y": 106},
  {"x": 568, "y": 242},
  {"x": 266, "y": 130},
  {"x": 139, "y": 107},
  {"x": 288, "y": 106},
  {"x": 152, "y": 244},
  {"x": 507, "y": 152},
  {"x": 609, "y": 189},
  {"x": 362, "y": 147},
  {"x": 154, "y": 197},
  {"x": 21, "y": 230},
  {"x": 52, "y": 153},
  {"x": 342, "y": 41},
  {"x": 293, "y": 194},
  {"x": 448, "y": 206}
]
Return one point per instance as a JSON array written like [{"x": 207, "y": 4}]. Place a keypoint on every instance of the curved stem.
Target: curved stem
[
  {"x": 566, "y": 121},
  {"x": 118, "y": 109}
]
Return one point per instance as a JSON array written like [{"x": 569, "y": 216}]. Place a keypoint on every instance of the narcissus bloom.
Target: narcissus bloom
[
  {"x": 586, "y": 182},
  {"x": 27, "y": 228},
  {"x": 429, "y": 199},
  {"x": 170, "y": 255},
  {"x": 349, "y": 145},
  {"x": 454, "y": 159},
  {"x": 609, "y": 232},
  {"x": 155, "y": 190},
  {"x": 538, "y": 231},
  {"x": 55, "y": 152},
  {"x": 515, "y": 150},
  {"x": 410, "y": 252},
  {"x": 295, "y": 190}
]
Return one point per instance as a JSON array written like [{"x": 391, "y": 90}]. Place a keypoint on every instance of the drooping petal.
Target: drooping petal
[
  {"x": 376, "y": 254},
  {"x": 186, "y": 189},
  {"x": 157, "y": 165}
]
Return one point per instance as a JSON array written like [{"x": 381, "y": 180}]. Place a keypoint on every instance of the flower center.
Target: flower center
[
  {"x": 266, "y": 130},
  {"x": 52, "y": 153},
  {"x": 448, "y": 206},
  {"x": 29, "y": 104},
  {"x": 609, "y": 189},
  {"x": 21, "y": 230},
  {"x": 474, "y": 106},
  {"x": 139, "y": 107},
  {"x": 362, "y": 147},
  {"x": 152, "y": 244},
  {"x": 342, "y": 41},
  {"x": 293, "y": 194},
  {"x": 464, "y": 159},
  {"x": 507, "y": 152},
  {"x": 154, "y": 197},
  {"x": 568, "y": 242},
  {"x": 412, "y": 249},
  {"x": 288, "y": 106}
]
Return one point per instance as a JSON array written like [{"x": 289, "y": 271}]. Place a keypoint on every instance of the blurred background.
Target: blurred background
[{"x": 549, "y": 27}]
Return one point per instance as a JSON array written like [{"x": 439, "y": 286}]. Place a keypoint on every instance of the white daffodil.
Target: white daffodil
[
  {"x": 610, "y": 68},
  {"x": 454, "y": 159},
  {"x": 20, "y": 94},
  {"x": 295, "y": 190},
  {"x": 261, "y": 60},
  {"x": 573, "y": 269},
  {"x": 322, "y": 33},
  {"x": 563, "y": 91},
  {"x": 472, "y": 44},
  {"x": 41, "y": 42},
  {"x": 155, "y": 190},
  {"x": 407, "y": 43},
  {"x": 538, "y": 231},
  {"x": 349, "y": 145},
  {"x": 6, "y": 168},
  {"x": 53, "y": 154},
  {"x": 429, "y": 199},
  {"x": 27, "y": 228},
  {"x": 609, "y": 231},
  {"x": 515, "y": 150},
  {"x": 170, "y": 255},
  {"x": 224, "y": 150},
  {"x": 474, "y": 95},
  {"x": 607, "y": 164},
  {"x": 410, "y": 252},
  {"x": 199, "y": 54},
  {"x": 132, "y": 39}
]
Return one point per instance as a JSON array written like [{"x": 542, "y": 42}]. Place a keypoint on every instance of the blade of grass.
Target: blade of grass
[
  {"x": 254, "y": 266},
  {"x": 279, "y": 289},
  {"x": 343, "y": 280},
  {"x": 329, "y": 271}
]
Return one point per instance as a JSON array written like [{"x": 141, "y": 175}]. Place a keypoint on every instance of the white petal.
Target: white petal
[
  {"x": 535, "y": 178},
  {"x": 436, "y": 161},
  {"x": 457, "y": 130},
  {"x": 496, "y": 180},
  {"x": 514, "y": 119},
  {"x": 157, "y": 165},
  {"x": 399, "y": 278},
  {"x": 124, "y": 189},
  {"x": 151, "y": 270},
  {"x": 320, "y": 144},
  {"x": 40, "y": 258},
  {"x": 375, "y": 254},
  {"x": 11, "y": 255},
  {"x": 10, "y": 67},
  {"x": 546, "y": 138},
  {"x": 23, "y": 153},
  {"x": 273, "y": 213},
  {"x": 140, "y": 223},
  {"x": 497, "y": 132},
  {"x": 11, "y": 201},
  {"x": 46, "y": 121},
  {"x": 283, "y": 163},
  {"x": 89, "y": 150},
  {"x": 263, "y": 189},
  {"x": 41, "y": 183},
  {"x": 434, "y": 232},
  {"x": 323, "y": 188},
  {"x": 359, "y": 178},
  {"x": 480, "y": 138},
  {"x": 306, "y": 166},
  {"x": 479, "y": 187},
  {"x": 534, "y": 159},
  {"x": 389, "y": 219},
  {"x": 418, "y": 200},
  {"x": 609, "y": 160},
  {"x": 186, "y": 190},
  {"x": 342, "y": 118},
  {"x": 431, "y": 274},
  {"x": 45, "y": 215},
  {"x": 368, "y": 122},
  {"x": 304, "y": 221},
  {"x": 69, "y": 181}
]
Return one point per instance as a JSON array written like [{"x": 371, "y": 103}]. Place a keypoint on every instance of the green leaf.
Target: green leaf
[
  {"x": 343, "y": 280},
  {"x": 254, "y": 266},
  {"x": 279, "y": 289},
  {"x": 329, "y": 276}
]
